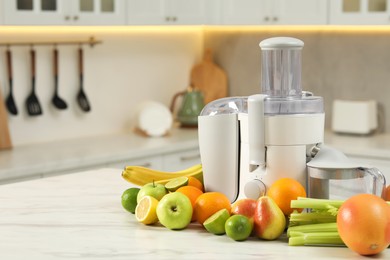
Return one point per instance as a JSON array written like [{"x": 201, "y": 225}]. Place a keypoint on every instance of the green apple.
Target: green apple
[
  {"x": 174, "y": 211},
  {"x": 156, "y": 190}
]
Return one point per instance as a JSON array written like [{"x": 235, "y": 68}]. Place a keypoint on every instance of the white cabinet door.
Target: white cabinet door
[
  {"x": 304, "y": 12},
  {"x": 189, "y": 12},
  {"x": 64, "y": 12},
  {"x": 359, "y": 12},
  {"x": 98, "y": 12},
  {"x": 270, "y": 12},
  {"x": 35, "y": 12},
  {"x": 244, "y": 12},
  {"x": 170, "y": 12},
  {"x": 146, "y": 12}
]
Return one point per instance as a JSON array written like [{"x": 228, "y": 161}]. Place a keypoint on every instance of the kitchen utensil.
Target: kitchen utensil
[
  {"x": 10, "y": 101},
  {"x": 56, "y": 100},
  {"x": 32, "y": 102},
  {"x": 331, "y": 175},
  {"x": 209, "y": 78},
  {"x": 247, "y": 143},
  {"x": 5, "y": 138},
  {"x": 81, "y": 96},
  {"x": 191, "y": 106}
]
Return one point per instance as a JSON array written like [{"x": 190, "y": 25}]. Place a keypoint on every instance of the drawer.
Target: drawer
[
  {"x": 181, "y": 160},
  {"x": 153, "y": 162}
]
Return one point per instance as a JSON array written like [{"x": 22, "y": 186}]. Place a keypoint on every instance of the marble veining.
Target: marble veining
[{"x": 79, "y": 216}]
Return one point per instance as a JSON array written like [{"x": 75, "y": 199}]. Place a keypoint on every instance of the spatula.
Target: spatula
[
  {"x": 32, "y": 102},
  {"x": 56, "y": 100},
  {"x": 81, "y": 96},
  {"x": 10, "y": 101}
]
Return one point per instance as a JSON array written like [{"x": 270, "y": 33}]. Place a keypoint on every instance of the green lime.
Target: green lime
[
  {"x": 176, "y": 183},
  {"x": 238, "y": 227},
  {"x": 216, "y": 223},
  {"x": 129, "y": 199}
]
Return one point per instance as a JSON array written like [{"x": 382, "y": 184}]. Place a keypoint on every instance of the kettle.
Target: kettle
[{"x": 191, "y": 106}]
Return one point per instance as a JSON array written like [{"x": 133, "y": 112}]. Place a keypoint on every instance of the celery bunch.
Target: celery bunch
[{"x": 316, "y": 225}]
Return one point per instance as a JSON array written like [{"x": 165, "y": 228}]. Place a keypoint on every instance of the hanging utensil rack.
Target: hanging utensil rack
[{"x": 91, "y": 42}]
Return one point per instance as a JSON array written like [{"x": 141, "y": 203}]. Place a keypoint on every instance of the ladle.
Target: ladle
[
  {"x": 32, "y": 102},
  {"x": 81, "y": 97},
  {"x": 56, "y": 100},
  {"x": 10, "y": 101}
]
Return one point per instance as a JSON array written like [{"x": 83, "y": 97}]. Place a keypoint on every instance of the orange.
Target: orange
[
  {"x": 363, "y": 222},
  {"x": 387, "y": 193},
  {"x": 192, "y": 193},
  {"x": 283, "y": 191},
  {"x": 209, "y": 203},
  {"x": 192, "y": 181}
]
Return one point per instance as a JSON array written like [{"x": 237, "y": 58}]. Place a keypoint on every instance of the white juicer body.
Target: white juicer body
[{"x": 247, "y": 143}]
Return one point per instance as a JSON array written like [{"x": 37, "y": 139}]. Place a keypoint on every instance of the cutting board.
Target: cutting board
[
  {"x": 209, "y": 78},
  {"x": 5, "y": 138}
]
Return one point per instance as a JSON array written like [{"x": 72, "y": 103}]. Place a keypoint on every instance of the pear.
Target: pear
[{"x": 269, "y": 220}]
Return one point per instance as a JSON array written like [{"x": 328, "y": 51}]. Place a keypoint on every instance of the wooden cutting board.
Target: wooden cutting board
[
  {"x": 209, "y": 78},
  {"x": 5, "y": 138}
]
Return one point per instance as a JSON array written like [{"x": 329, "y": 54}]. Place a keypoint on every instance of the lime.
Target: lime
[
  {"x": 129, "y": 199},
  {"x": 145, "y": 212},
  {"x": 216, "y": 223},
  {"x": 238, "y": 227},
  {"x": 176, "y": 183}
]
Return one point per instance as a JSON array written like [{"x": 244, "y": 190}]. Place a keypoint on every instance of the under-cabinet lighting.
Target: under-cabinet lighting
[{"x": 195, "y": 28}]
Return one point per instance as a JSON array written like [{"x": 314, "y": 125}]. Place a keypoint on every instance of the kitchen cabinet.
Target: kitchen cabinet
[
  {"x": 359, "y": 12},
  {"x": 271, "y": 12},
  {"x": 64, "y": 12},
  {"x": 164, "y": 162},
  {"x": 171, "y": 12}
]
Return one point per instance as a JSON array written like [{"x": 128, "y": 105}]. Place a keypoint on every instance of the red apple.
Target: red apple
[
  {"x": 244, "y": 207},
  {"x": 269, "y": 220}
]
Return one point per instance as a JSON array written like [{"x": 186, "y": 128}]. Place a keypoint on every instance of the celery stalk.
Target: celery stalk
[
  {"x": 313, "y": 228},
  {"x": 319, "y": 239},
  {"x": 311, "y": 218},
  {"x": 309, "y": 203}
]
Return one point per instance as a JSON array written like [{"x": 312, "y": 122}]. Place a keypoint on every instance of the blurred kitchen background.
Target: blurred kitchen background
[
  {"x": 148, "y": 48},
  {"x": 142, "y": 62}
]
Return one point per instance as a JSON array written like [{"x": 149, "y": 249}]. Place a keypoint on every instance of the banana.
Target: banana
[{"x": 139, "y": 175}]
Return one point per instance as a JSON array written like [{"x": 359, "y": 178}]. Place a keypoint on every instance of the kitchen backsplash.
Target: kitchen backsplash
[
  {"x": 336, "y": 63},
  {"x": 153, "y": 63},
  {"x": 130, "y": 66}
]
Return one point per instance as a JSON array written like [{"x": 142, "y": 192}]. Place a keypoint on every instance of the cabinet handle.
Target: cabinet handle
[
  {"x": 75, "y": 18},
  {"x": 189, "y": 157},
  {"x": 275, "y": 19},
  {"x": 174, "y": 18},
  {"x": 266, "y": 18},
  {"x": 67, "y": 18},
  {"x": 167, "y": 18}
]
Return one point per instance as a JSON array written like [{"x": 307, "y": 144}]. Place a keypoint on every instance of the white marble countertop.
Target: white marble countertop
[
  {"x": 67, "y": 155},
  {"x": 80, "y": 216}
]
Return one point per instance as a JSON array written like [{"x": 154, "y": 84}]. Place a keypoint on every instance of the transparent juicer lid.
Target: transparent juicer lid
[{"x": 280, "y": 81}]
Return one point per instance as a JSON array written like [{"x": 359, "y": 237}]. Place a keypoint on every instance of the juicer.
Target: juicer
[{"x": 247, "y": 143}]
